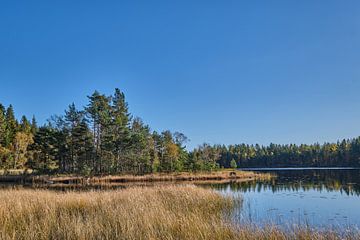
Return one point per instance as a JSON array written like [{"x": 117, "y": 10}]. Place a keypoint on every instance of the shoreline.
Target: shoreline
[{"x": 222, "y": 175}]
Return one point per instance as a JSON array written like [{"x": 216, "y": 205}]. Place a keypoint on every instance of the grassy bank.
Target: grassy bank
[
  {"x": 163, "y": 177},
  {"x": 158, "y": 177},
  {"x": 167, "y": 212}
]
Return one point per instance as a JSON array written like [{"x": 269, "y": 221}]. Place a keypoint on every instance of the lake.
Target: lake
[{"x": 317, "y": 197}]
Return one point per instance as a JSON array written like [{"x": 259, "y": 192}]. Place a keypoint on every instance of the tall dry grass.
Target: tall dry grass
[
  {"x": 183, "y": 212},
  {"x": 167, "y": 212}
]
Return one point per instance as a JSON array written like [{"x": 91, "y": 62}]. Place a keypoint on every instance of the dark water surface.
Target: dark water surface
[{"x": 322, "y": 198}]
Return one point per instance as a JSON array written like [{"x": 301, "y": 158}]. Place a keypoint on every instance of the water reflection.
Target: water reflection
[
  {"x": 315, "y": 197},
  {"x": 329, "y": 180}
]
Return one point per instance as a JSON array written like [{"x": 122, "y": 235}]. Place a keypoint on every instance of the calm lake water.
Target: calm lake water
[{"x": 322, "y": 198}]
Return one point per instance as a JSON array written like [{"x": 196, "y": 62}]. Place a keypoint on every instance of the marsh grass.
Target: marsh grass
[
  {"x": 184, "y": 212},
  {"x": 163, "y": 212}
]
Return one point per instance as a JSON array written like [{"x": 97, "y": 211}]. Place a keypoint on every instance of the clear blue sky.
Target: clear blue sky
[{"x": 219, "y": 71}]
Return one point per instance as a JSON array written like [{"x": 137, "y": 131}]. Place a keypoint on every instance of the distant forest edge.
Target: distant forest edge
[{"x": 104, "y": 138}]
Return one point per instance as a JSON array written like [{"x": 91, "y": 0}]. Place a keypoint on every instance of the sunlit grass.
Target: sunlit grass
[{"x": 185, "y": 212}]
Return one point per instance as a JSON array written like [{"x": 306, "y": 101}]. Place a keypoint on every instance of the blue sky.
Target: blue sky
[{"x": 219, "y": 71}]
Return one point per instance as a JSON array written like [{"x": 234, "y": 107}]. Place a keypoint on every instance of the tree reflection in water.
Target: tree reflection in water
[{"x": 344, "y": 181}]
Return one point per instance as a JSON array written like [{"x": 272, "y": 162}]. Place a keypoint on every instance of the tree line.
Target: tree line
[
  {"x": 104, "y": 138},
  {"x": 101, "y": 138},
  {"x": 345, "y": 153}
]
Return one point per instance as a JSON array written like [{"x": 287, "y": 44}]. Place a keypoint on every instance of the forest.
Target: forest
[{"x": 104, "y": 138}]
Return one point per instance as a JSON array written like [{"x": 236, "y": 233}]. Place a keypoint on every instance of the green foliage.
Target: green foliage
[
  {"x": 45, "y": 150},
  {"x": 104, "y": 138},
  {"x": 33, "y": 125},
  {"x": 2, "y": 125},
  {"x": 345, "y": 153},
  {"x": 101, "y": 139},
  {"x": 233, "y": 163},
  {"x": 11, "y": 127},
  {"x": 205, "y": 158},
  {"x": 25, "y": 125}
]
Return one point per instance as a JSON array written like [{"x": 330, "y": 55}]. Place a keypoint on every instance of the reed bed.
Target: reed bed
[
  {"x": 160, "y": 212},
  {"x": 183, "y": 212}
]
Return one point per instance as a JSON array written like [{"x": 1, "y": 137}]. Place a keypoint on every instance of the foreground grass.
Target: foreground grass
[
  {"x": 185, "y": 212},
  {"x": 167, "y": 212}
]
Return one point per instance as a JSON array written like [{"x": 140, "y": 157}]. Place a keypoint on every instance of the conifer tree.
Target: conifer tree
[
  {"x": 25, "y": 125},
  {"x": 11, "y": 126},
  {"x": 73, "y": 118},
  {"x": 2, "y": 125},
  {"x": 99, "y": 113},
  {"x": 121, "y": 136},
  {"x": 33, "y": 125}
]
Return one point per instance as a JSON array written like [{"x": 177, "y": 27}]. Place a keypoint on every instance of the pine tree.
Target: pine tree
[
  {"x": 120, "y": 128},
  {"x": 2, "y": 125},
  {"x": 82, "y": 147},
  {"x": 25, "y": 125},
  {"x": 11, "y": 126},
  {"x": 73, "y": 118},
  {"x": 141, "y": 147},
  {"x": 99, "y": 113},
  {"x": 46, "y": 150},
  {"x": 33, "y": 125}
]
